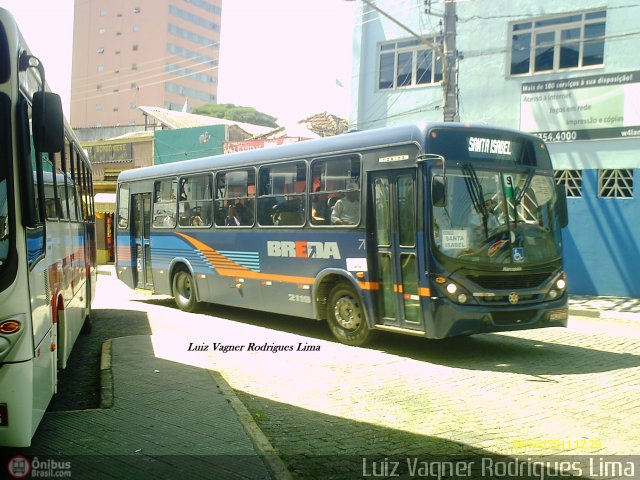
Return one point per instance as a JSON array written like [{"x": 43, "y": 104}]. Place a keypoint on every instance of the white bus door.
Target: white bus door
[
  {"x": 394, "y": 213},
  {"x": 141, "y": 211}
]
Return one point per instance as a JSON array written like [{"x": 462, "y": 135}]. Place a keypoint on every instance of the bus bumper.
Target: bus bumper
[{"x": 449, "y": 319}]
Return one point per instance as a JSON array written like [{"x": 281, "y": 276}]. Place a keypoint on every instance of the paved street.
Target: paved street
[{"x": 324, "y": 406}]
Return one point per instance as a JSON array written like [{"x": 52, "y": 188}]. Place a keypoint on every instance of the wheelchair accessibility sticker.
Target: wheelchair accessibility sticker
[{"x": 517, "y": 254}]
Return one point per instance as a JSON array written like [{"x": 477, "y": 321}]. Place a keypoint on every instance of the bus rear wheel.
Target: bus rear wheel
[
  {"x": 184, "y": 292},
  {"x": 346, "y": 316}
]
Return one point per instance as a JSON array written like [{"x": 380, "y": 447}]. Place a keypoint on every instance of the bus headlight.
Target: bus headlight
[
  {"x": 558, "y": 287},
  {"x": 456, "y": 293}
]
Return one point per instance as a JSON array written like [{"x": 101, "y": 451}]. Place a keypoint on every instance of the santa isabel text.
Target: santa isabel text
[{"x": 252, "y": 347}]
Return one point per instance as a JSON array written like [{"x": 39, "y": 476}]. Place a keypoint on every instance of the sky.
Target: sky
[{"x": 286, "y": 58}]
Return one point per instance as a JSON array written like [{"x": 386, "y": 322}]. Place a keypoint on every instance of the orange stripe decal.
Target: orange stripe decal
[
  {"x": 228, "y": 268},
  {"x": 369, "y": 285}
]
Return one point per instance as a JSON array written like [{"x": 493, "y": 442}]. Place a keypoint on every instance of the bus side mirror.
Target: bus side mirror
[
  {"x": 439, "y": 191},
  {"x": 48, "y": 122},
  {"x": 563, "y": 213}
]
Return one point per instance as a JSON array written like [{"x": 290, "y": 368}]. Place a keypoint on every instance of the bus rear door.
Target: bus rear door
[
  {"x": 394, "y": 208},
  {"x": 141, "y": 213}
]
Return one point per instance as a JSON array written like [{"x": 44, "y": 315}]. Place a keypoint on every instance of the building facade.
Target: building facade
[
  {"x": 566, "y": 71},
  {"x": 148, "y": 52}
]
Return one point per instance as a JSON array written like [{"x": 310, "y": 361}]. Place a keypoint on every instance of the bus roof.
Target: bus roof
[
  {"x": 414, "y": 133},
  {"x": 397, "y": 135}
]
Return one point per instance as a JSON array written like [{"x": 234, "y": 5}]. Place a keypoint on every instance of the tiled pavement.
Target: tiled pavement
[{"x": 166, "y": 419}]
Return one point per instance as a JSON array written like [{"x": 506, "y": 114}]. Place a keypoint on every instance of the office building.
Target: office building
[{"x": 126, "y": 54}]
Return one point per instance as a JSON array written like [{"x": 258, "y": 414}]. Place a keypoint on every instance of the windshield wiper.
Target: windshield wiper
[
  {"x": 520, "y": 195},
  {"x": 474, "y": 187}
]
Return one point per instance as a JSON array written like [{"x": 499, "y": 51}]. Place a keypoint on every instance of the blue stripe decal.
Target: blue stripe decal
[{"x": 251, "y": 260}]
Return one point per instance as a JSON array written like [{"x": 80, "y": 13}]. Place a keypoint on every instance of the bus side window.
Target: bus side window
[
  {"x": 195, "y": 205},
  {"x": 164, "y": 203},
  {"x": 235, "y": 198},
  {"x": 335, "y": 182},
  {"x": 123, "y": 207},
  {"x": 282, "y": 203}
]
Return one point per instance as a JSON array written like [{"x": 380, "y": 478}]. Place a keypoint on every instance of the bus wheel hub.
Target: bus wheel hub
[{"x": 347, "y": 313}]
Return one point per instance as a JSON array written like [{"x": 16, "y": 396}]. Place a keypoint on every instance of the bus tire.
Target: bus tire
[
  {"x": 345, "y": 316},
  {"x": 184, "y": 292}
]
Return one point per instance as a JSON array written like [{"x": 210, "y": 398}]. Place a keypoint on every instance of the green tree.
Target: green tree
[{"x": 238, "y": 113}]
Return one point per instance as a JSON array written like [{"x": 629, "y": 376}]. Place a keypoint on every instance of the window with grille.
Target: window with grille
[
  {"x": 558, "y": 43},
  {"x": 615, "y": 183},
  {"x": 572, "y": 181}
]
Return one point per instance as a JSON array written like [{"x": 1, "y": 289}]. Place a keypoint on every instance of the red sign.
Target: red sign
[{"x": 247, "y": 145}]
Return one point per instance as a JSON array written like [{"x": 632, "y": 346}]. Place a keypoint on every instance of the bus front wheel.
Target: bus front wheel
[
  {"x": 346, "y": 316},
  {"x": 184, "y": 291}
]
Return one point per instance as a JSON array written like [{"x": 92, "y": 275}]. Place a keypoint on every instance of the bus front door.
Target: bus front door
[
  {"x": 141, "y": 212},
  {"x": 394, "y": 207}
]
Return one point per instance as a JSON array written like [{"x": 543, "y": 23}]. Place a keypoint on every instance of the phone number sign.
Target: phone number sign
[{"x": 582, "y": 108}]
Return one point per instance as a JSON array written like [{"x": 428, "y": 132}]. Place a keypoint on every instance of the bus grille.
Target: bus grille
[
  {"x": 513, "y": 318},
  {"x": 510, "y": 282}
]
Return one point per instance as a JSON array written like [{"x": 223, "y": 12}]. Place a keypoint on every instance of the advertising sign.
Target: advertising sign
[
  {"x": 582, "y": 108},
  {"x": 111, "y": 153}
]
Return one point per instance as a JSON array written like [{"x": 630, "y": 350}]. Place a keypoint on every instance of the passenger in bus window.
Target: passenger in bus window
[
  {"x": 233, "y": 219},
  {"x": 319, "y": 207},
  {"x": 346, "y": 211}
]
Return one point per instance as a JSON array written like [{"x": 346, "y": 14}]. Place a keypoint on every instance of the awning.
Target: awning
[{"x": 105, "y": 202}]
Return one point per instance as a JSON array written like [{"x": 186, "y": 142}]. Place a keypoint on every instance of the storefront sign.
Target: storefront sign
[
  {"x": 111, "y": 153},
  {"x": 582, "y": 108}
]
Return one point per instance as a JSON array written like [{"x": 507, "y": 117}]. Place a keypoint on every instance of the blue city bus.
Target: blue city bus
[{"x": 435, "y": 230}]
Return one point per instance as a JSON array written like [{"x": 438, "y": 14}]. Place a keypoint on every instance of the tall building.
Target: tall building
[{"x": 131, "y": 53}]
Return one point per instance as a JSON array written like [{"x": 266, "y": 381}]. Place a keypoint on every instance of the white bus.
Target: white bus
[{"x": 47, "y": 239}]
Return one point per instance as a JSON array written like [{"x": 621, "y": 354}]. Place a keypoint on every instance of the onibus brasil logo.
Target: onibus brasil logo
[{"x": 21, "y": 467}]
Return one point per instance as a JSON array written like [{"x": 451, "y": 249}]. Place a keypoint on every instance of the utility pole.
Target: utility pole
[
  {"x": 448, "y": 55},
  {"x": 450, "y": 79}
]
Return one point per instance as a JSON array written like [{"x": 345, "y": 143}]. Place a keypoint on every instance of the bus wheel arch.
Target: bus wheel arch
[
  {"x": 345, "y": 311},
  {"x": 183, "y": 288}
]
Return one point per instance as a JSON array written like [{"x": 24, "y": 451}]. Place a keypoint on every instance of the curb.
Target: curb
[
  {"x": 106, "y": 376},
  {"x": 606, "y": 314},
  {"x": 269, "y": 455}
]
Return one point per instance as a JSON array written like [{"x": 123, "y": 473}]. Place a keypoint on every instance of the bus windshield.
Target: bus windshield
[{"x": 497, "y": 217}]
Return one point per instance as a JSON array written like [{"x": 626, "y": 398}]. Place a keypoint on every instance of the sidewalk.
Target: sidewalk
[
  {"x": 622, "y": 308},
  {"x": 159, "y": 420}
]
